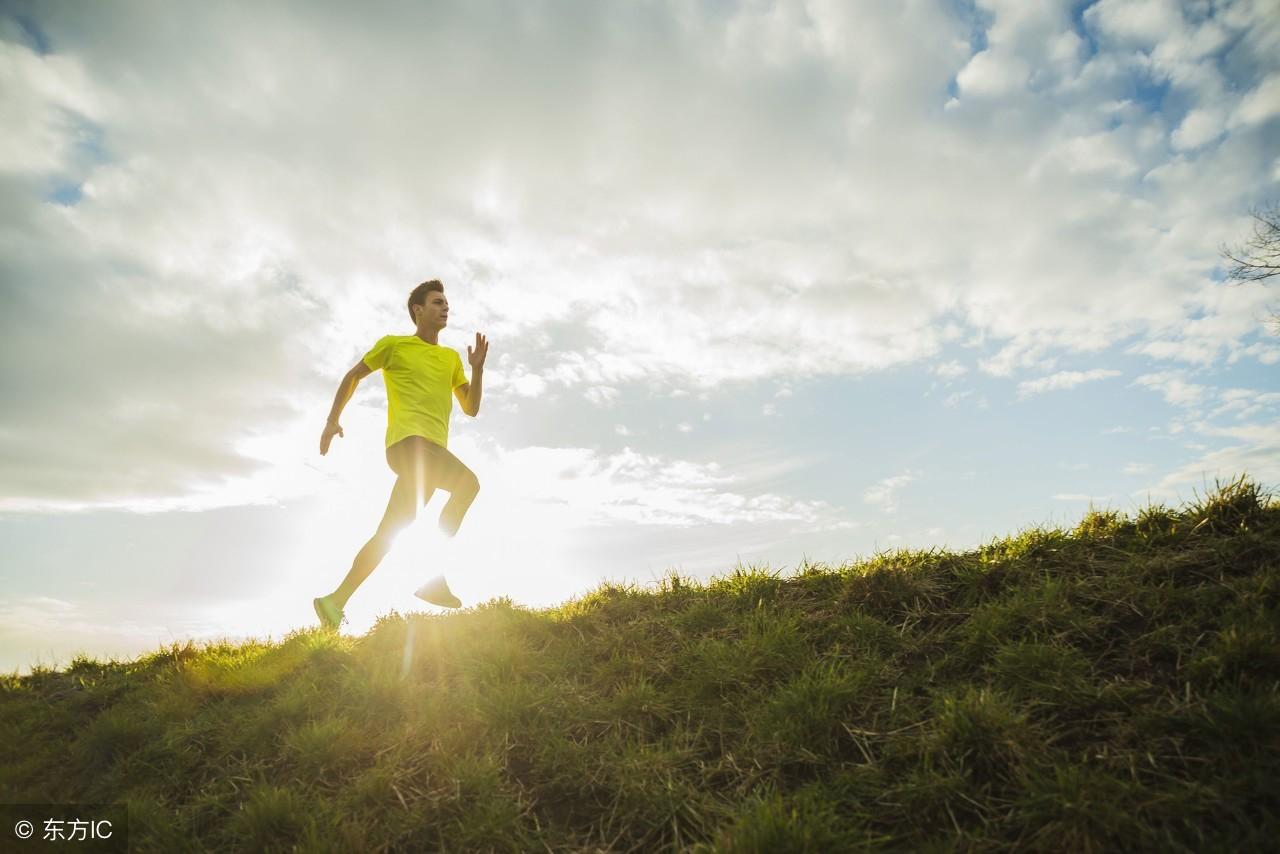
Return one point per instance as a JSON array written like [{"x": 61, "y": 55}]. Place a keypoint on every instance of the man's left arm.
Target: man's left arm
[{"x": 468, "y": 394}]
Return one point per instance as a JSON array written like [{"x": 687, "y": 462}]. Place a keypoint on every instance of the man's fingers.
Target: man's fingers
[{"x": 327, "y": 436}]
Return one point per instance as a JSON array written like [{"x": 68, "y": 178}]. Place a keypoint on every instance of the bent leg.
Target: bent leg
[
  {"x": 463, "y": 486},
  {"x": 402, "y": 509}
]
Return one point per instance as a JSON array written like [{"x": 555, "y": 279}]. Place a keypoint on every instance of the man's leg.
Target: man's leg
[
  {"x": 462, "y": 485},
  {"x": 442, "y": 470},
  {"x": 402, "y": 509}
]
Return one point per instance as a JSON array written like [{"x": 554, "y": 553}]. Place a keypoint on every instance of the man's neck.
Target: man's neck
[{"x": 431, "y": 336}]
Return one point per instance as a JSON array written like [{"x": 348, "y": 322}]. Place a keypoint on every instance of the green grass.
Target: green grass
[{"x": 1112, "y": 686}]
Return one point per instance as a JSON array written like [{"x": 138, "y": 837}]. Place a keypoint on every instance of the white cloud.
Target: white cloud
[
  {"x": 1062, "y": 380},
  {"x": 1228, "y": 315},
  {"x": 252, "y": 217},
  {"x": 1249, "y": 432},
  {"x": 950, "y": 370},
  {"x": 45, "y": 102},
  {"x": 991, "y": 73},
  {"x": 1198, "y": 127},
  {"x": 1196, "y": 351},
  {"x": 532, "y": 385},
  {"x": 1105, "y": 153},
  {"x": 1259, "y": 104},
  {"x": 884, "y": 493},
  {"x": 601, "y": 395},
  {"x": 1021, "y": 353},
  {"x": 1266, "y": 353},
  {"x": 1136, "y": 22},
  {"x": 1256, "y": 454},
  {"x": 1245, "y": 402},
  {"x": 589, "y": 488},
  {"x": 1174, "y": 387}
]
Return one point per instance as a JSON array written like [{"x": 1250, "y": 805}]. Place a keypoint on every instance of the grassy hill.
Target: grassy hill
[{"x": 1114, "y": 686}]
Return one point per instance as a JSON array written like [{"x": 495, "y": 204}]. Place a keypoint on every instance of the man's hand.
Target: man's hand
[
  {"x": 330, "y": 430},
  {"x": 476, "y": 356}
]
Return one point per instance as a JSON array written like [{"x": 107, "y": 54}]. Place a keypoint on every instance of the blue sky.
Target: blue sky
[{"x": 764, "y": 282}]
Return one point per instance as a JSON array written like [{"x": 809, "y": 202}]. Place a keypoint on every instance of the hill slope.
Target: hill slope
[{"x": 1112, "y": 686}]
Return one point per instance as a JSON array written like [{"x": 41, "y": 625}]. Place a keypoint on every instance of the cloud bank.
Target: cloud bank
[{"x": 208, "y": 216}]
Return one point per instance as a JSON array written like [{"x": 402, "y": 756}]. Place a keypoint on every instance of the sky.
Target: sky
[{"x": 764, "y": 283}]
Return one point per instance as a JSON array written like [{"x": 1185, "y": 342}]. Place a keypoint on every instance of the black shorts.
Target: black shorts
[{"x": 429, "y": 464}]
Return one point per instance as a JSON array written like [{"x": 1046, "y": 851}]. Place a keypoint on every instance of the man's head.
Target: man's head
[{"x": 427, "y": 303}]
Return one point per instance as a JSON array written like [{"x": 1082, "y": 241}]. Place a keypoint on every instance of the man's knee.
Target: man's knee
[{"x": 468, "y": 483}]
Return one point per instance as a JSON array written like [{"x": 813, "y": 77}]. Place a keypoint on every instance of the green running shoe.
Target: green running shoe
[{"x": 331, "y": 616}]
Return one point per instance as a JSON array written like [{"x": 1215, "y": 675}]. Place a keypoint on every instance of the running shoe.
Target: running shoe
[
  {"x": 437, "y": 592},
  {"x": 331, "y": 616}
]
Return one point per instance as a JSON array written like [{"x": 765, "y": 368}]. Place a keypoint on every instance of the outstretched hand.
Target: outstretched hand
[
  {"x": 330, "y": 430},
  {"x": 476, "y": 356}
]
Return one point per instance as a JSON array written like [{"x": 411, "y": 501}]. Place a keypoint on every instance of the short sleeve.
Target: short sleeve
[
  {"x": 459, "y": 377},
  {"x": 381, "y": 352}
]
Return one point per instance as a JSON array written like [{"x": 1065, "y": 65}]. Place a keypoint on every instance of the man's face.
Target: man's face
[{"x": 435, "y": 311}]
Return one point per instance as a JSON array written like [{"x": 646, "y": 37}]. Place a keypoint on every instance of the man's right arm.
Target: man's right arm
[{"x": 345, "y": 389}]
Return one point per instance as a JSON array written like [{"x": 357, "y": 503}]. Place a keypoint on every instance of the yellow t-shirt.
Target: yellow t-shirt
[{"x": 420, "y": 379}]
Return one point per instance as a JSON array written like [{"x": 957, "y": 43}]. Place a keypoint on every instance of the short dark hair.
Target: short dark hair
[{"x": 418, "y": 296}]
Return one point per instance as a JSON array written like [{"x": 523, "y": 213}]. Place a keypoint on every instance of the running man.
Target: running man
[{"x": 419, "y": 375}]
